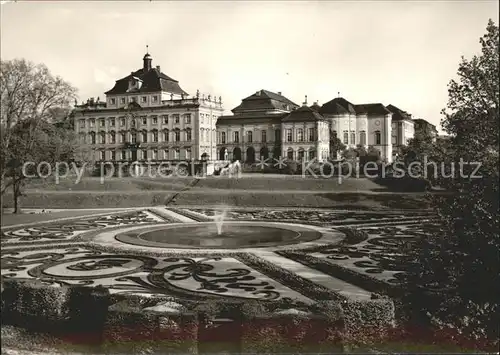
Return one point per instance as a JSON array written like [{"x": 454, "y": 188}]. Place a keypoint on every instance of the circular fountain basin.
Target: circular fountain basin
[{"x": 206, "y": 235}]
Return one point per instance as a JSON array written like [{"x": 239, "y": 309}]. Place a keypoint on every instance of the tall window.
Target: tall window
[
  {"x": 264, "y": 136},
  {"x": 133, "y": 137},
  {"x": 155, "y": 98},
  {"x": 112, "y": 122},
  {"x": 346, "y": 137},
  {"x": 223, "y": 137},
  {"x": 165, "y": 154},
  {"x": 165, "y": 119},
  {"x": 144, "y": 120},
  {"x": 177, "y": 153},
  {"x": 92, "y": 122},
  {"x": 155, "y": 154},
  {"x": 154, "y": 120},
  {"x": 300, "y": 135},
  {"x": 124, "y": 155},
  {"x": 312, "y": 154},
  {"x": 277, "y": 135},
  {"x": 188, "y": 134},
  {"x": 311, "y": 134},
  {"x": 122, "y": 121},
  {"x": 177, "y": 136},
  {"x": 188, "y": 153},
  {"x": 249, "y": 136},
  {"x": 102, "y": 138},
  {"x": 165, "y": 135},
  {"x": 82, "y": 123},
  {"x": 353, "y": 137},
  {"x": 289, "y": 136},
  {"x": 102, "y": 122},
  {"x": 92, "y": 137},
  {"x": 155, "y": 136},
  {"x": 187, "y": 118},
  {"x": 113, "y": 155},
  {"x": 144, "y": 137},
  {"x": 145, "y": 154},
  {"x": 176, "y": 119},
  {"x": 112, "y": 136},
  {"x": 377, "y": 137},
  {"x": 236, "y": 137},
  {"x": 103, "y": 155},
  {"x": 289, "y": 154},
  {"x": 300, "y": 155},
  {"x": 362, "y": 138}
]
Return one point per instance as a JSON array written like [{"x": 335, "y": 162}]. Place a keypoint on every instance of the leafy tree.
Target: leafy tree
[
  {"x": 30, "y": 99},
  {"x": 336, "y": 146},
  {"x": 454, "y": 281}
]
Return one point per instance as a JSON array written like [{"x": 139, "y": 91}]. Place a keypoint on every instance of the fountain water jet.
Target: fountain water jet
[{"x": 219, "y": 220}]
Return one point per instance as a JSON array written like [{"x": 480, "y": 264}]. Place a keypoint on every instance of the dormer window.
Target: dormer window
[{"x": 134, "y": 83}]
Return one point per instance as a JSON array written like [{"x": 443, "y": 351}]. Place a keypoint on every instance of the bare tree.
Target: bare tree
[{"x": 30, "y": 95}]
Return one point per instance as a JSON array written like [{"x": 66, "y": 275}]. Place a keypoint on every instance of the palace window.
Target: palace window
[
  {"x": 92, "y": 137},
  {"x": 223, "y": 137},
  {"x": 102, "y": 138},
  {"x": 289, "y": 154},
  {"x": 176, "y": 119},
  {"x": 177, "y": 136},
  {"x": 264, "y": 136},
  {"x": 177, "y": 153},
  {"x": 133, "y": 137},
  {"x": 102, "y": 155},
  {"x": 165, "y": 119},
  {"x": 311, "y": 134},
  {"x": 133, "y": 99},
  {"x": 155, "y": 136},
  {"x": 155, "y": 98},
  {"x": 187, "y": 118},
  {"x": 144, "y": 120},
  {"x": 122, "y": 121},
  {"x": 124, "y": 155},
  {"x": 188, "y": 134},
  {"x": 289, "y": 135},
  {"x": 102, "y": 122},
  {"x": 112, "y": 136},
  {"x": 144, "y": 99},
  {"x": 112, "y": 101},
  {"x": 249, "y": 136},
  {"x": 300, "y": 135},
  {"x": 346, "y": 137},
  {"x": 92, "y": 122},
  {"x": 362, "y": 138},
  {"x": 112, "y": 122},
  {"x": 113, "y": 155},
  {"x": 165, "y": 154},
  {"x": 377, "y": 137},
  {"x": 154, "y": 120},
  {"x": 122, "y": 137},
  {"x": 353, "y": 137},
  {"x": 82, "y": 123},
  {"x": 165, "y": 135},
  {"x": 122, "y": 100},
  {"x": 155, "y": 154},
  {"x": 145, "y": 154},
  {"x": 236, "y": 137},
  {"x": 300, "y": 155},
  {"x": 144, "y": 137}
]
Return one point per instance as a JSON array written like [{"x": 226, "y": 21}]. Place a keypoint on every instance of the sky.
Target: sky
[{"x": 394, "y": 52}]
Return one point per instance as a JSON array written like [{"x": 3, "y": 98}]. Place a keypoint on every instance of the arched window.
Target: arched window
[
  {"x": 311, "y": 134},
  {"x": 166, "y": 154},
  {"x": 300, "y": 154},
  {"x": 353, "y": 137},
  {"x": 92, "y": 137},
  {"x": 312, "y": 154},
  {"x": 122, "y": 137},
  {"x": 188, "y": 153},
  {"x": 362, "y": 138},
  {"x": 377, "y": 137},
  {"x": 144, "y": 136},
  {"x": 177, "y": 135},
  {"x": 165, "y": 135},
  {"x": 133, "y": 137},
  {"x": 300, "y": 135},
  {"x": 112, "y": 137},
  {"x": 346, "y": 137},
  {"x": 155, "y": 136},
  {"x": 236, "y": 137},
  {"x": 223, "y": 137},
  {"x": 188, "y": 134},
  {"x": 264, "y": 136},
  {"x": 249, "y": 136},
  {"x": 289, "y": 154}
]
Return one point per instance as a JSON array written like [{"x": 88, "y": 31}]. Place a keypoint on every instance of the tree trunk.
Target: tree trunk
[{"x": 16, "y": 187}]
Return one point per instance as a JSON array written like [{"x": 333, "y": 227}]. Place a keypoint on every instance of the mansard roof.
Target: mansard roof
[
  {"x": 372, "y": 109},
  {"x": 153, "y": 80},
  {"x": 337, "y": 106},
  {"x": 398, "y": 114},
  {"x": 264, "y": 100},
  {"x": 303, "y": 114}
]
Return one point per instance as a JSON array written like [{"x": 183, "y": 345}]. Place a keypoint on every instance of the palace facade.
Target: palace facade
[
  {"x": 147, "y": 116},
  {"x": 267, "y": 124}
]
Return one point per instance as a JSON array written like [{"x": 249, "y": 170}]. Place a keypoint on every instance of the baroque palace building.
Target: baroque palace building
[
  {"x": 267, "y": 124},
  {"x": 147, "y": 116}
]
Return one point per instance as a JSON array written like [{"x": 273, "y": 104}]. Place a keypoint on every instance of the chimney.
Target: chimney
[
  {"x": 158, "y": 68},
  {"x": 279, "y": 93}
]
